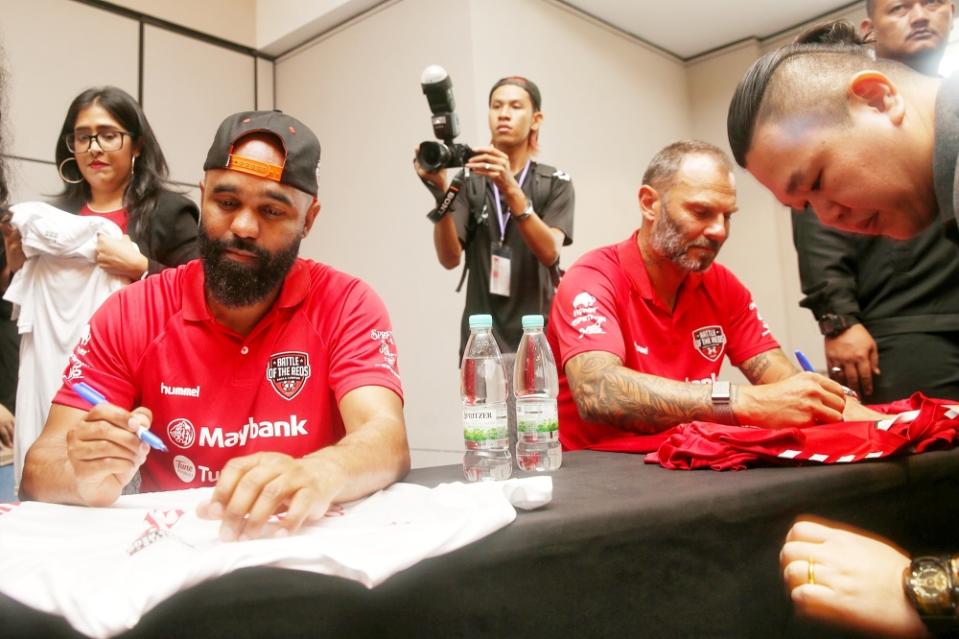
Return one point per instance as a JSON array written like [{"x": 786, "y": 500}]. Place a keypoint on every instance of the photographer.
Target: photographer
[{"x": 511, "y": 217}]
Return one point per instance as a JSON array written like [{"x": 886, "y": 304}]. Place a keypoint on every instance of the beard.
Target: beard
[
  {"x": 667, "y": 239},
  {"x": 234, "y": 284}
]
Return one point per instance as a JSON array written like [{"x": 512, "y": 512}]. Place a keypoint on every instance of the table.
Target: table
[{"x": 625, "y": 549}]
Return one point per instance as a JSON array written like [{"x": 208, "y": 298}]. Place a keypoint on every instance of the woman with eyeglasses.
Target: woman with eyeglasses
[{"x": 112, "y": 166}]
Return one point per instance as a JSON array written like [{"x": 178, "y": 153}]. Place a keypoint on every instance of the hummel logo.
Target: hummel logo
[{"x": 642, "y": 350}]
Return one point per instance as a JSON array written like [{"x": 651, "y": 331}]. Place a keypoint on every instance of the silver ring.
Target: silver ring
[
  {"x": 835, "y": 369},
  {"x": 486, "y": 166}
]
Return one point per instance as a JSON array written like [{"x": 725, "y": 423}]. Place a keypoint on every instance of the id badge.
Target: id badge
[{"x": 499, "y": 270}]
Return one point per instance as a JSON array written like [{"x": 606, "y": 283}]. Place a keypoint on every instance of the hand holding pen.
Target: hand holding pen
[
  {"x": 94, "y": 398},
  {"x": 106, "y": 447}
]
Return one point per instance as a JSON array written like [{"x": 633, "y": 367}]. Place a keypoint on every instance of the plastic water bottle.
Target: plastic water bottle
[
  {"x": 484, "y": 392},
  {"x": 536, "y": 386}
]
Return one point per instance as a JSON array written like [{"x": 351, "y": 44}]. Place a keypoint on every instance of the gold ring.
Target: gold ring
[{"x": 810, "y": 572}]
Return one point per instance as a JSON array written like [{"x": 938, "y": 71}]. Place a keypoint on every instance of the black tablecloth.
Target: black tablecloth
[{"x": 624, "y": 549}]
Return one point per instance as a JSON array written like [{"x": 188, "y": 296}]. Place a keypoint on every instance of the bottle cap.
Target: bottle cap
[
  {"x": 532, "y": 321},
  {"x": 481, "y": 321}
]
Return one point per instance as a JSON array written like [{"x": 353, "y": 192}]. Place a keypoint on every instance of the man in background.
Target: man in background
[
  {"x": 886, "y": 308},
  {"x": 512, "y": 241}
]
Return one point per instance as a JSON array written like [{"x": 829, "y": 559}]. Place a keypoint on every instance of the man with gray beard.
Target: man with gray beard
[{"x": 640, "y": 328}]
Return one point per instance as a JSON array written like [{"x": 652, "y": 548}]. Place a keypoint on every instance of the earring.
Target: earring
[
  {"x": 133, "y": 165},
  {"x": 63, "y": 177}
]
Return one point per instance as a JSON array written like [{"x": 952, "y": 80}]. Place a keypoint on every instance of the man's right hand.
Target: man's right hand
[
  {"x": 436, "y": 178},
  {"x": 799, "y": 400},
  {"x": 105, "y": 452},
  {"x": 855, "y": 354}
]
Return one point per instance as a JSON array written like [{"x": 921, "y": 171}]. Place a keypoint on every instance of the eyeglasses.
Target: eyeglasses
[{"x": 107, "y": 140}]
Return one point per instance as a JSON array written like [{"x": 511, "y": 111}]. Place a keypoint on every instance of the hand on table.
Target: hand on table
[
  {"x": 6, "y": 427},
  {"x": 120, "y": 256},
  {"x": 855, "y": 354},
  {"x": 799, "y": 400},
  {"x": 856, "y": 412},
  {"x": 858, "y": 580},
  {"x": 253, "y": 488},
  {"x": 106, "y": 453}
]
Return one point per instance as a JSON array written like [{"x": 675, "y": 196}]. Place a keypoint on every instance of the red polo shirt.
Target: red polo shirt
[
  {"x": 606, "y": 302},
  {"x": 216, "y": 394}
]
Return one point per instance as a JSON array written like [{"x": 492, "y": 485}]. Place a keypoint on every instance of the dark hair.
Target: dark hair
[
  {"x": 150, "y": 172},
  {"x": 767, "y": 90},
  {"x": 665, "y": 164},
  {"x": 535, "y": 97}
]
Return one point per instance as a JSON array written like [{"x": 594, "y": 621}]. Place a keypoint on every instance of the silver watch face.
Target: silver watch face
[
  {"x": 720, "y": 392},
  {"x": 931, "y": 587}
]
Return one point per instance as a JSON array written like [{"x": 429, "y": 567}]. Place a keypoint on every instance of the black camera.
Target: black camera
[{"x": 433, "y": 156}]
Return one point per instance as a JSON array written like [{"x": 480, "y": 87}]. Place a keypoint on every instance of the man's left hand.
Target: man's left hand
[
  {"x": 252, "y": 489},
  {"x": 856, "y": 412},
  {"x": 855, "y": 580}
]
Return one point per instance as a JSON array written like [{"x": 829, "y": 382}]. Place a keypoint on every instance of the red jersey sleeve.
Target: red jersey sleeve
[
  {"x": 584, "y": 315},
  {"x": 749, "y": 335},
  {"x": 362, "y": 349},
  {"x": 106, "y": 357}
]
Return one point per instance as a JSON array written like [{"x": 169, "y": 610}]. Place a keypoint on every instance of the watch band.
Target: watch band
[
  {"x": 721, "y": 398},
  {"x": 527, "y": 212},
  {"x": 833, "y": 324}
]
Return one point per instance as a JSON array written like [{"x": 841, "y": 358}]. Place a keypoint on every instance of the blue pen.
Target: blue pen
[
  {"x": 808, "y": 367},
  {"x": 94, "y": 397}
]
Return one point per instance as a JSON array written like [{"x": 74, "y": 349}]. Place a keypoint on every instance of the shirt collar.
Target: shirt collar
[
  {"x": 195, "y": 309},
  {"x": 632, "y": 260}
]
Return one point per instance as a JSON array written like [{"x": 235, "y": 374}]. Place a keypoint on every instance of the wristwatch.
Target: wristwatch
[
  {"x": 721, "y": 398},
  {"x": 929, "y": 585},
  {"x": 832, "y": 325},
  {"x": 527, "y": 212}
]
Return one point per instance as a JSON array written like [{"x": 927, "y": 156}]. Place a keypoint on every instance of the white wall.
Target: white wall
[
  {"x": 602, "y": 123},
  {"x": 188, "y": 85},
  {"x": 232, "y": 20}
]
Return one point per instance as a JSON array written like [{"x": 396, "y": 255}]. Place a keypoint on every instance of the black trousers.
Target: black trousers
[{"x": 910, "y": 362}]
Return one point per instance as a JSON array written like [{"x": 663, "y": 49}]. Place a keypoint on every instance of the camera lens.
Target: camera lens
[{"x": 433, "y": 156}]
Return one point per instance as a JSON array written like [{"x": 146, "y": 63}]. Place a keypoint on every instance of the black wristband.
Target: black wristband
[{"x": 435, "y": 216}]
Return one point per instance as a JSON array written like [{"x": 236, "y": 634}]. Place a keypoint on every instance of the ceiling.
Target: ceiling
[{"x": 691, "y": 28}]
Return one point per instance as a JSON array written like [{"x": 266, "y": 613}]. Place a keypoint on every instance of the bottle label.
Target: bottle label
[
  {"x": 485, "y": 423},
  {"x": 538, "y": 416}
]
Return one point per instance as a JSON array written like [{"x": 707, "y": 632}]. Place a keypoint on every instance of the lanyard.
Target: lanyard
[{"x": 504, "y": 219}]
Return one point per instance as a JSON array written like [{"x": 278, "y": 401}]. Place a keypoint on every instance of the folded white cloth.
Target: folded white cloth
[
  {"x": 54, "y": 294},
  {"x": 103, "y": 568}
]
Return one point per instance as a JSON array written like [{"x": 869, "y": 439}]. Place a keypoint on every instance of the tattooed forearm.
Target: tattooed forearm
[
  {"x": 766, "y": 368},
  {"x": 607, "y": 392}
]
